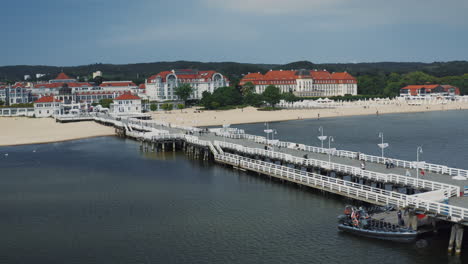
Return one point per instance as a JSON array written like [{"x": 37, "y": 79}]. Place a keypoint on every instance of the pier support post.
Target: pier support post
[
  {"x": 173, "y": 146},
  {"x": 413, "y": 221},
  {"x": 456, "y": 238}
]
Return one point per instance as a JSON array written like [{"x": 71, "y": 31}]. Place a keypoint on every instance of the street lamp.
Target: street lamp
[
  {"x": 322, "y": 137},
  {"x": 418, "y": 150},
  {"x": 273, "y": 133},
  {"x": 330, "y": 139},
  {"x": 267, "y": 131},
  {"x": 382, "y": 145}
]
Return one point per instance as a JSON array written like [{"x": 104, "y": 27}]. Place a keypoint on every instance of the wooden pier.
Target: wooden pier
[{"x": 312, "y": 167}]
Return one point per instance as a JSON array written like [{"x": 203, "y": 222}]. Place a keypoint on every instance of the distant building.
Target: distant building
[
  {"x": 47, "y": 106},
  {"x": 15, "y": 94},
  {"x": 62, "y": 78},
  {"x": 126, "y": 104},
  {"x": 39, "y": 75},
  {"x": 120, "y": 86},
  {"x": 426, "y": 90},
  {"x": 161, "y": 87},
  {"x": 97, "y": 74},
  {"x": 95, "y": 96},
  {"x": 304, "y": 83},
  {"x": 27, "y": 77}
]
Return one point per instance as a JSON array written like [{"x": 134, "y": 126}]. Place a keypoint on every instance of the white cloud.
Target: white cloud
[{"x": 347, "y": 12}]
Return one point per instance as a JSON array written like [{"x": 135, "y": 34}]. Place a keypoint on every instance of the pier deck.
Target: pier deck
[{"x": 437, "y": 182}]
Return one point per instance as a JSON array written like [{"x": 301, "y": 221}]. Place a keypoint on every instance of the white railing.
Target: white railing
[
  {"x": 352, "y": 154},
  {"x": 342, "y": 188},
  {"x": 251, "y": 163},
  {"x": 382, "y": 177},
  {"x": 455, "y": 213}
]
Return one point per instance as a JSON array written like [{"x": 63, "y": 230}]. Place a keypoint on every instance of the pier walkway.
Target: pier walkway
[{"x": 297, "y": 163}]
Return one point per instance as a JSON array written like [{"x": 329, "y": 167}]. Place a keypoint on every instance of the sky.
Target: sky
[{"x": 79, "y": 32}]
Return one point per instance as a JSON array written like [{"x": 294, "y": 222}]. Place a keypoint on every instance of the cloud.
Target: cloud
[
  {"x": 273, "y": 7},
  {"x": 347, "y": 12},
  {"x": 180, "y": 32}
]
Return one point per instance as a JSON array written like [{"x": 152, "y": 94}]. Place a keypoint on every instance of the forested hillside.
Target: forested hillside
[{"x": 381, "y": 78}]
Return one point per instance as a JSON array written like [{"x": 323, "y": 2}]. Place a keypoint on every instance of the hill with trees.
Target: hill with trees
[{"x": 380, "y": 78}]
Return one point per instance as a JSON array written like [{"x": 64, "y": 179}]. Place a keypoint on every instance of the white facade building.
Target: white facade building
[
  {"x": 47, "y": 106},
  {"x": 119, "y": 86},
  {"x": 126, "y": 104},
  {"x": 304, "y": 83},
  {"x": 97, "y": 74},
  {"x": 160, "y": 87}
]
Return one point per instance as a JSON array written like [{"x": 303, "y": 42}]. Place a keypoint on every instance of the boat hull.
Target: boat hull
[{"x": 405, "y": 237}]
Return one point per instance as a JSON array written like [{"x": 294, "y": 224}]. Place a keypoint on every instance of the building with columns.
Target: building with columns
[
  {"x": 161, "y": 87},
  {"x": 304, "y": 83},
  {"x": 126, "y": 103}
]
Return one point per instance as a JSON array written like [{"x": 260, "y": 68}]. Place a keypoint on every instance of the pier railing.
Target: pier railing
[
  {"x": 382, "y": 177},
  {"x": 331, "y": 184},
  {"x": 349, "y": 154},
  {"x": 284, "y": 170},
  {"x": 362, "y": 192}
]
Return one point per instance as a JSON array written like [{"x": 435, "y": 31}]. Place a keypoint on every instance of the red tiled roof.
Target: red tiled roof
[
  {"x": 63, "y": 76},
  {"x": 289, "y": 77},
  {"x": 128, "y": 96},
  {"x": 47, "y": 99},
  {"x": 416, "y": 87},
  {"x": 189, "y": 75},
  {"x": 142, "y": 86},
  {"x": 320, "y": 75},
  {"x": 117, "y": 84},
  {"x": 161, "y": 74},
  {"x": 413, "y": 89},
  {"x": 280, "y": 75},
  {"x": 342, "y": 76}
]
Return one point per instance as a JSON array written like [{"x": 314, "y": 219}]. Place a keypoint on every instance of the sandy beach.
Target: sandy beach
[
  {"x": 23, "y": 130},
  {"x": 192, "y": 117}
]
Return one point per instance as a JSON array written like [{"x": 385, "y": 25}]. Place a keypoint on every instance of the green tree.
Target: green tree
[
  {"x": 2, "y": 103},
  {"x": 167, "y": 106},
  {"x": 180, "y": 107},
  {"x": 272, "y": 95},
  {"x": 183, "y": 91},
  {"x": 206, "y": 99},
  {"x": 106, "y": 102},
  {"x": 253, "y": 99},
  {"x": 153, "y": 107},
  {"x": 247, "y": 88},
  {"x": 289, "y": 97},
  {"x": 418, "y": 77}
]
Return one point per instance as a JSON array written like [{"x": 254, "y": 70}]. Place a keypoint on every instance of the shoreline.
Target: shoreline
[
  {"x": 55, "y": 141},
  {"x": 20, "y": 131},
  {"x": 30, "y": 131},
  {"x": 249, "y": 115}
]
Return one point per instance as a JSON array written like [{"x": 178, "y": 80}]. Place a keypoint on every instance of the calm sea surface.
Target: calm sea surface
[{"x": 103, "y": 201}]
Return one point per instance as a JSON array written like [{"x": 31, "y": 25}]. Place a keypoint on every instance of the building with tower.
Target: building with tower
[{"x": 161, "y": 87}]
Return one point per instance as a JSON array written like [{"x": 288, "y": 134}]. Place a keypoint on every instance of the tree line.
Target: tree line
[
  {"x": 374, "y": 78},
  {"x": 389, "y": 85}
]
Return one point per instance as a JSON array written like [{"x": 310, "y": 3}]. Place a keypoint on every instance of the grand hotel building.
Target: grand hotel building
[
  {"x": 160, "y": 87},
  {"x": 304, "y": 83}
]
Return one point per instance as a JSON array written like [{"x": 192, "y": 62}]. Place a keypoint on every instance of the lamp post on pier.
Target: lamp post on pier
[
  {"x": 382, "y": 145},
  {"x": 330, "y": 139},
  {"x": 418, "y": 150},
  {"x": 322, "y": 137}
]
